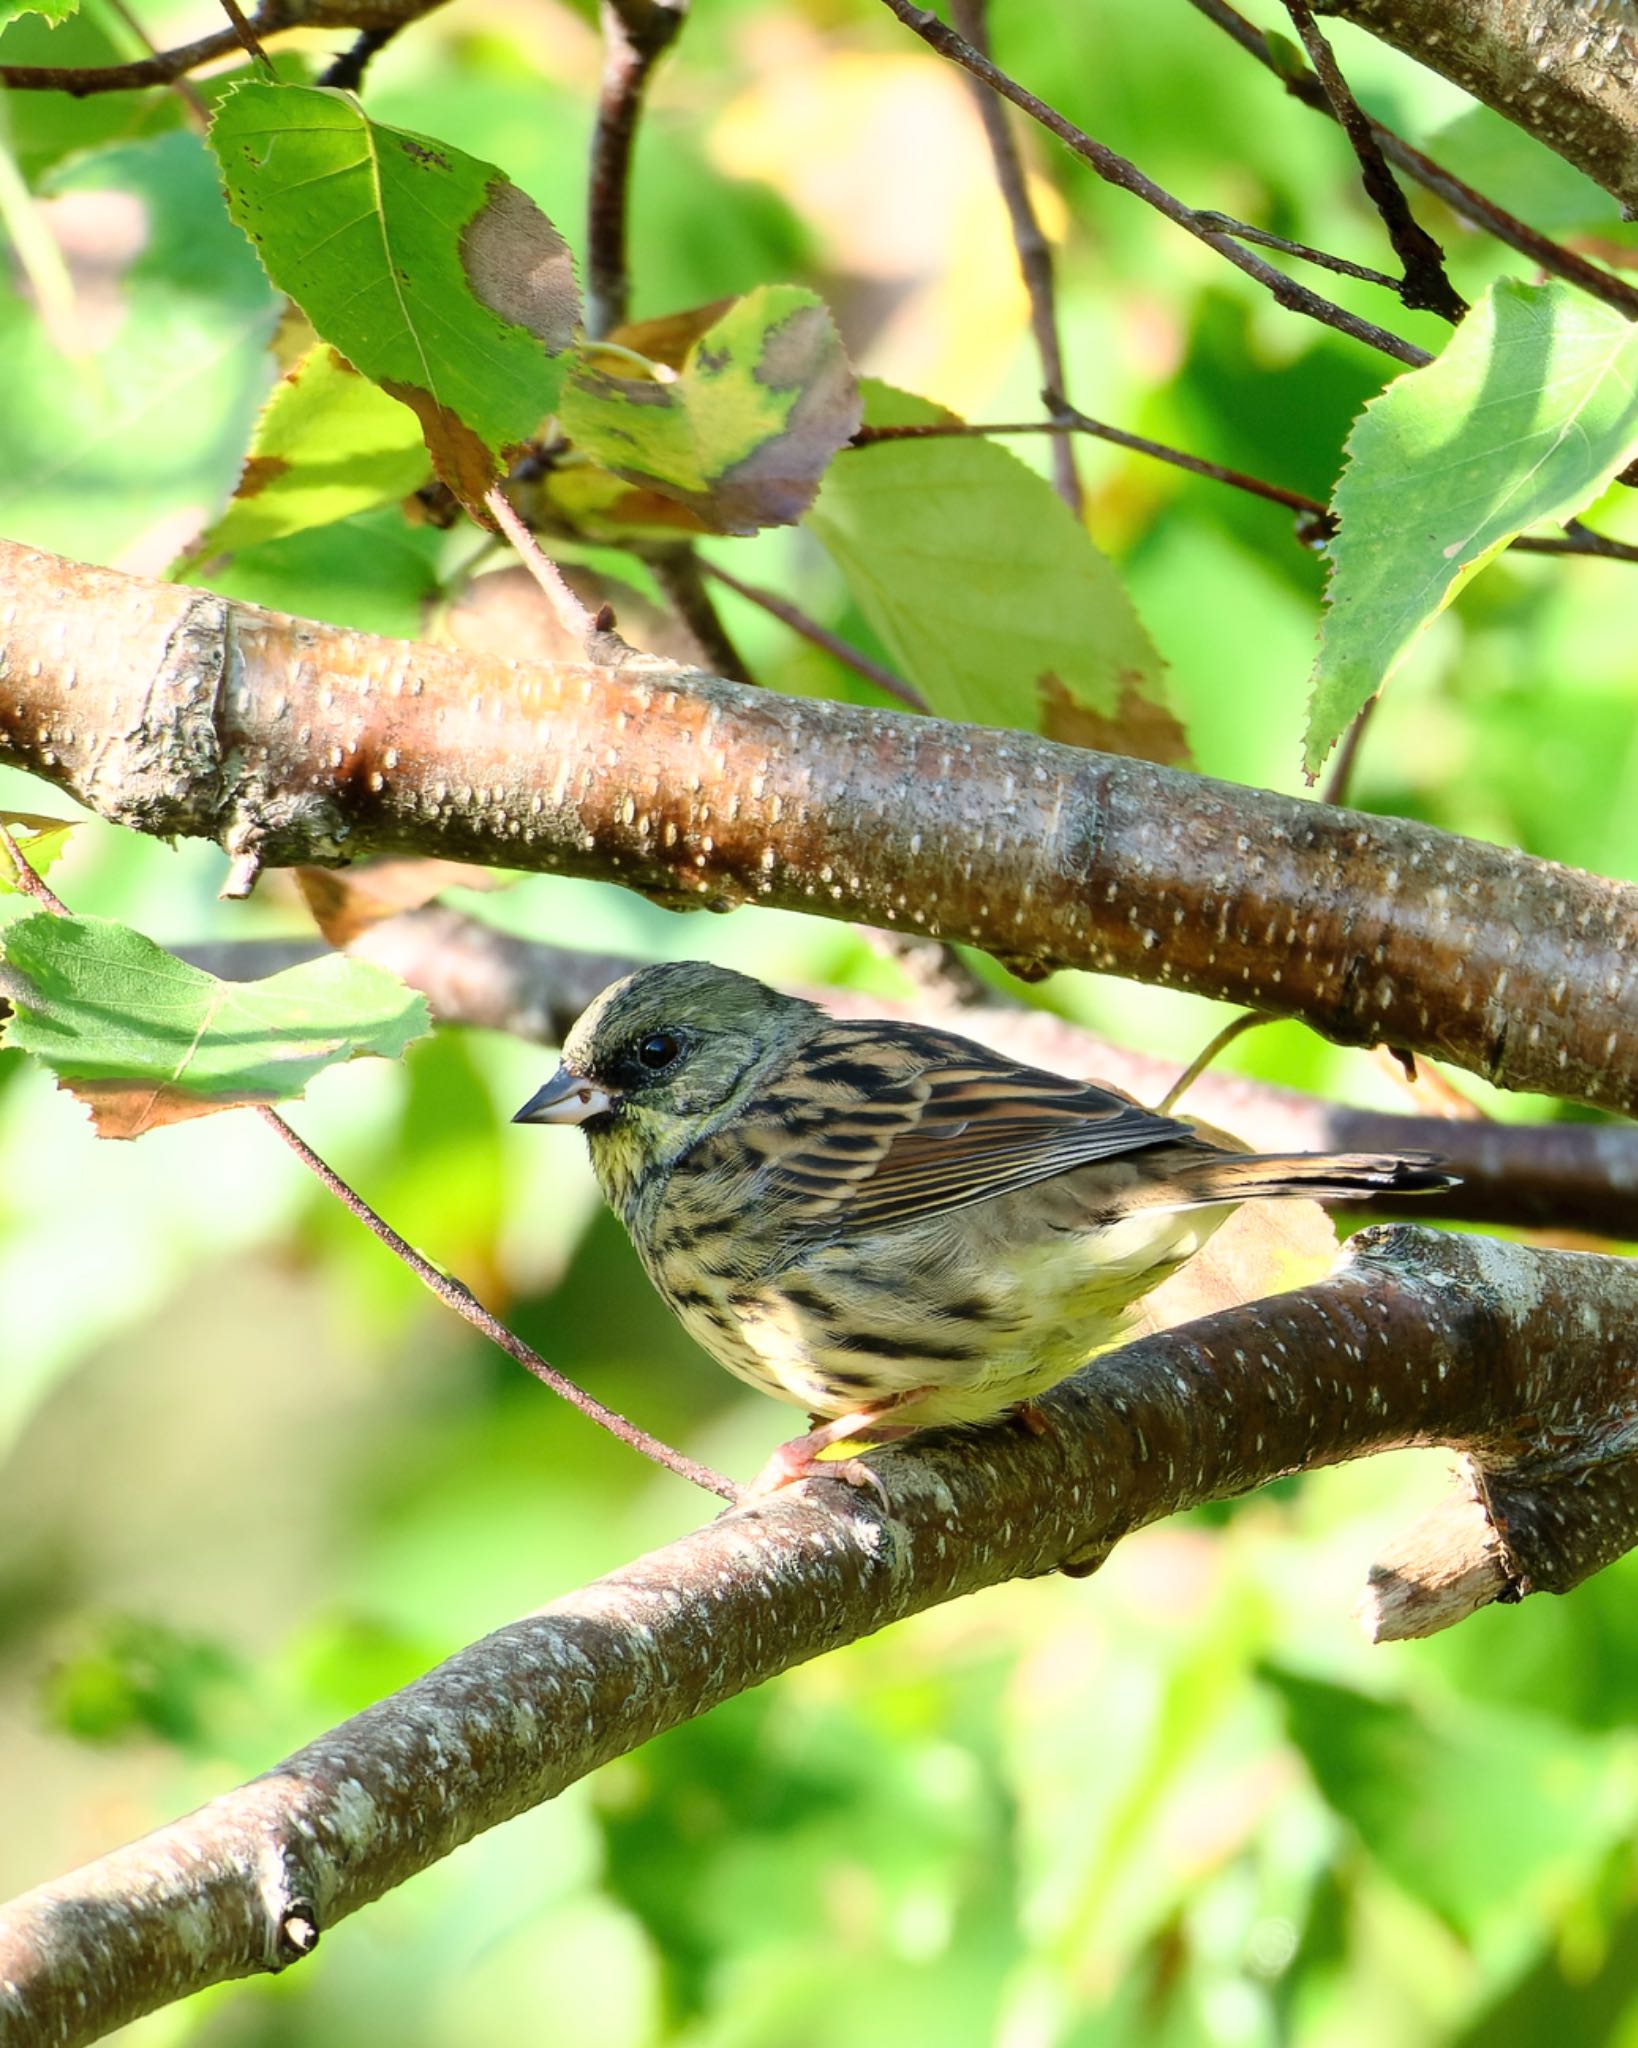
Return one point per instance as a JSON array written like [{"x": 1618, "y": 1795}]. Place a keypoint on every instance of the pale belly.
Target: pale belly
[{"x": 948, "y": 1310}]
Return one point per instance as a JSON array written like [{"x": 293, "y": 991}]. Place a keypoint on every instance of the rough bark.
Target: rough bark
[
  {"x": 1517, "y": 1357},
  {"x": 181, "y": 713},
  {"x": 1563, "y": 70}
]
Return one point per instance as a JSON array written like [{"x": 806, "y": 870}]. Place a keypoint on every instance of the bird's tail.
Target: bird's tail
[{"x": 1321, "y": 1176}]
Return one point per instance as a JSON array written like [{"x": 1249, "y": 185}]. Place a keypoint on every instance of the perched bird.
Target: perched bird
[{"x": 885, "y": 1223}]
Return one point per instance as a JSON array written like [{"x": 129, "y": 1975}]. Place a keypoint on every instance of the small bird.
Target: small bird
[{"x": 884, "y": 1223}]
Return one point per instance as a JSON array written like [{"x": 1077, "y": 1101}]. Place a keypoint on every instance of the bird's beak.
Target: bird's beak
[{"x": 566, "y": 1099}]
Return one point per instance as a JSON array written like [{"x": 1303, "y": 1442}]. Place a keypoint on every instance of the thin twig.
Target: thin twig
[
  {"x": 570, "y": 613},
  {"x": 1069, "y": 419},
  {"x": 1316, "y": 523},
  {"x": 249, "y": 42},
  {"x": 678, "y": 571},
  {"x": 184, "y": 88},
  {"x": 454, "y": 1294},
  {"x": 1243, "y": 231},
  {"x": 820, "y": 636},
  {"x": 1478, "y": 211},
  {"x": 636, "y": 34},
  {"x": 1342, "y": 768},
  {"x": 1034, "y": 250},
  {"x": 1426, "y": 287},
  {"x": 28, "y": 882},
  {"x": 346, "y": 72},
  {"x": 156, "y": 70},
  {"x": 1232, "y": 1030},
  {"x": 1119, "y": 171}
]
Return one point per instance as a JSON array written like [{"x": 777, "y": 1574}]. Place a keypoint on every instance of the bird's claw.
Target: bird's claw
[{"x": 797, "y": 1461}]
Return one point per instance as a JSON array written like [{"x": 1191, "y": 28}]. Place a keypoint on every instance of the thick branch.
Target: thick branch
[
  {"x": 1517, "y": 1357},
  {"x": 181, "y": 713},
  {"x": 1566, "y": 71}
]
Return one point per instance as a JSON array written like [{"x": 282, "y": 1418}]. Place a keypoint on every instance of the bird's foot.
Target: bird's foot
[
  {"x": 1030, "y": 1415},
  {"x": 796, "y": 1461},
  {"x": 802, "y": 1457}
]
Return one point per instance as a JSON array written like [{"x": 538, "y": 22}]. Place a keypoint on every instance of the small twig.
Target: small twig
[
  {"x": 1317, "y": 523},
  {"x": 28, "y": 882},
  {"x": 679, "y": 573},
  {"x": 183, "y": 87},
  {"x": 156, "y": 70},
  {"x": 820, "y": 636},
  {"x": 1208, "y": 1052},
  {"x": 1433, "y": 1093},
  {"x": 571, "y": 614},
  {"x": 1119, "y": 171},
  {"x": 1034, "y": 250},
  {"x": 1243, "y": 231},
  {"x": 346, "y": 72},
  {"x": 1478, "y": 211},
  {"x": 1426, "y": 287},
  {"x": 465, "y": 1303},
  {"x": 1067, "y": 419},
  {"x": 248, "y": 40},
  {"x": 452, "y": 1292},
  {"x": 1342, "y": 768},
  {"x": 636, "y": 34}
]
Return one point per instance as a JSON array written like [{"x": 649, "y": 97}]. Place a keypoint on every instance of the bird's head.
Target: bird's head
[{"x": 658, "y": 1058}]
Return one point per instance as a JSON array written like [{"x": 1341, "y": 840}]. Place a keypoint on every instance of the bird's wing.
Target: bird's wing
[{"x": 872, "y": 1125}]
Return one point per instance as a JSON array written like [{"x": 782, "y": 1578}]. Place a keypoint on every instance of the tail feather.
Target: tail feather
[{"x": 1321, "y": 1176}]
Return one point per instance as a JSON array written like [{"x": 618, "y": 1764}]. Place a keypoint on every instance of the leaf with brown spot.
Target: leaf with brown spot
[
  {"x": 328, "y": 444},
  {"x": 1142, "y": 726},
  {"x": 669, "y": 336},
  {"x": 145, "y": 1040},
  {"x": 426, "y": 267},
  {"x": 984, "y": 587},
  {"x": 744, "y": 431}
]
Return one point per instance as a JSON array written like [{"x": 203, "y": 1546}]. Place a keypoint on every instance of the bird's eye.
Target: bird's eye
[{"x": 658, "y": 1050}]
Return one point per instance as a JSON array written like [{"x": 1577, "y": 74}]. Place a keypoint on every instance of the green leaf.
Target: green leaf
[
  {"x": 987, "y": 592},
  {"x": 745, "y": 430},
  {"x": 135, "y": 1679},
  {"x": 41, "y": 842},
  {"x": 130, "y": 413},
  {"x": 147, "y": 1040},
  {"x": 1494, "y": 1815},
  {"x": 52, "y": 10},
  {"x": 429, "y": 270},
  {"x": 329, "y": 443},
  {"x": 1521, "y": 174},
  {"x": 1527, "y": 415}
]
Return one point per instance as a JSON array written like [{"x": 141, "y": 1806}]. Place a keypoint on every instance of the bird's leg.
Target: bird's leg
[
  {"x": 801, "y": 1458},
  {"x": 1031, "y": 1416}
]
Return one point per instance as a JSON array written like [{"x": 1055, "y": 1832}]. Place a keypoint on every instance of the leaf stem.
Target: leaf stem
[
  {"x": 457, "y": 1295},
  {"x": 28, "y": 882}
]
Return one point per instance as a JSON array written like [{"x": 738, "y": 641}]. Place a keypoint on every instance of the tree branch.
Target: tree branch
[
  {"x": 636, "y": 35},
  {"x": 1518, "y": 1358},
  {"x": 1473, "y": 206},
  {"x": 1119, "y": 171},
  {"x": 1426, "y": 285},
  {"x": 1034, "y": 250},
  {"x": 1565, "y": 71},
  {"x": 178, "y": 712}
]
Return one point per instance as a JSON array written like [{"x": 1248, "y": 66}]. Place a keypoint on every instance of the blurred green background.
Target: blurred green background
[{"x": 251, "y": 1478}]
